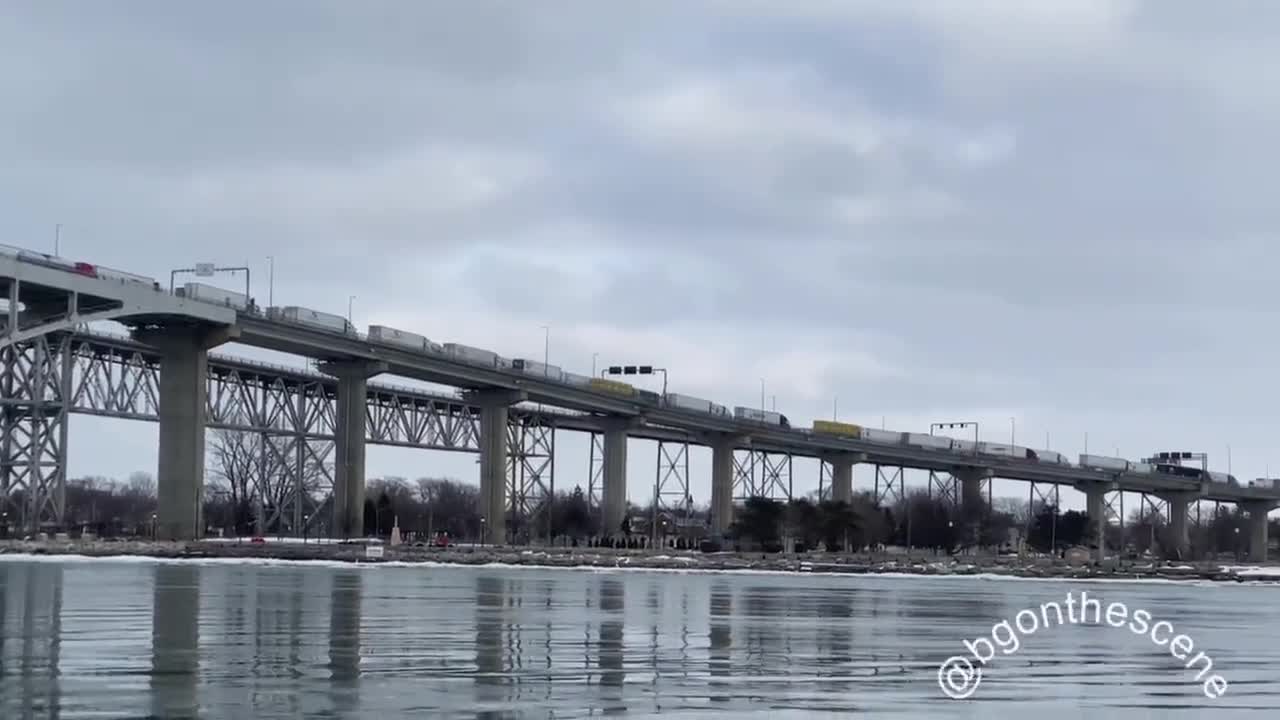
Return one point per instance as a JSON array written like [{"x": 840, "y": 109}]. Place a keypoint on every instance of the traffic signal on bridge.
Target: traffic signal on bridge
[{"x": 630, "y": 370}]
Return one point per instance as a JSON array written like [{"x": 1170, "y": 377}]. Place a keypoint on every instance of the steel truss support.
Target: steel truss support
[
  {"x": 1046, "y": 497},
  {"x": 745, "y": 484},
  {"x": 292, "y": 425},
  {"x": 531, "y": 481},
  {"x": 1153, "y": 505},
  {"x": 1113, "y": 506},
  {"x": 945, "y": 487},
  {"x": 890, "y": 487},
  {"x": 35, "y": 394},
  {"x": 775, "y": 477},
  {"x": 757, "y": 473},
  {"x": 671, "y": 483},
  {"x": 595, "y": 472},
  {"x": 825, "y": 477},
  {"x": 286, "y": 416}
]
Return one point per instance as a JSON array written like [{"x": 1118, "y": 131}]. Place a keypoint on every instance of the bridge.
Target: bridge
[{"x": 51, "y": 367}]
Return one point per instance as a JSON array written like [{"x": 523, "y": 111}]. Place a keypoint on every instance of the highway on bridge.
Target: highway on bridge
[
  {"x": 48, "y": 296},
  {"x": 656, "y": 423}
]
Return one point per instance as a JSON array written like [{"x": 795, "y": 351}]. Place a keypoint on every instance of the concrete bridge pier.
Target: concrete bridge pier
[
  {"x": 842, "y": 474},
  {"x": 1258, "y": 539},
  {"x": 184, "y": 364},
  {"x": 1179, "y": 504},
  {"x": 1096, "y": 508},
  {"x": 722, "y": 447},
  {"x": 613, "y": 496},
  {"x": 349, "y": 437},
  {"x": 493, "y": 459},
  {"x": 972, "y": 505}
]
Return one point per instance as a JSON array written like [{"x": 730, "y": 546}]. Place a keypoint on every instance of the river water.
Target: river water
[{"x": 140, "y": 638}]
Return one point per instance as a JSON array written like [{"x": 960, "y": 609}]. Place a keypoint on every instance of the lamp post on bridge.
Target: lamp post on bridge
[{"x": 546, "y": 347}]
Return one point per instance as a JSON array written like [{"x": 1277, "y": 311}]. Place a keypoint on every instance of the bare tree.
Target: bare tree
[
  {"x": 232, "y": 460},
  {"x": 1017, "y": 508},
  {"x": 142, "y": 483}
]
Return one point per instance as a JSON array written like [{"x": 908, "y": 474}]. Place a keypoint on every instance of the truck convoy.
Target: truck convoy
[{"x": 1167, "y": 463}]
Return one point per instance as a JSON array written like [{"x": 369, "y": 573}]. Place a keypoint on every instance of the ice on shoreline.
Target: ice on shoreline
[{"x": 622, "y": 564}]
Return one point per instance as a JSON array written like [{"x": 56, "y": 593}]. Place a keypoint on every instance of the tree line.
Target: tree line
[
  {"x": 427, "y": 506},
  {"x": 922, "y": 521}
]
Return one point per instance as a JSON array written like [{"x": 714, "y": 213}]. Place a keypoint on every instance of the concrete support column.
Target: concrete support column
[
  {"x": 841, "y": 478},
  {"x": 1258, "y": 530},
  {"x": 972, "y": 503},
  {"x": 721, "y": 485},
  {"x": 1179, "y": 538},
  {"x": 1096, "y": 508},
  {"x": 493, "y": 461},
  {"x": 614, "y": 493},
  {"x": 184, "y": 366},
  {"x": 349, "y": 438}
]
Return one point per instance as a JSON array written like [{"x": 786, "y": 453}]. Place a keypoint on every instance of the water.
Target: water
[{"x": 109, "y": 639}]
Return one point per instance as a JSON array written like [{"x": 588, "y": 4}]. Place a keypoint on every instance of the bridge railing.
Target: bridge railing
[{"x": 457, "y": 396}]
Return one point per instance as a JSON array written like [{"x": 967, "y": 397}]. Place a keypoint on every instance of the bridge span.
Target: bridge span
[{"x": 51, "y": 367}]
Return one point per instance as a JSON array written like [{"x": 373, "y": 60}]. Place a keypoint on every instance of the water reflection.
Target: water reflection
[
  {"x": 30, "y": 643},
  {"x": 609, "y": 647},
  {"x": 226, "y": 642},
  {"x": 720, "y": 641},
  {"x": 344, "y": 642},
  {"x": 175, "y": 641},
  {"x": 833, "y": 633},
  {"x": 490, "y": 675}
]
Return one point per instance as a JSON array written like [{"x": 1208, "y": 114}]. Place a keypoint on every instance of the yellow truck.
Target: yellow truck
[
  {"x": 613, "y": 387},
  {"x": 829, "y": 427}
]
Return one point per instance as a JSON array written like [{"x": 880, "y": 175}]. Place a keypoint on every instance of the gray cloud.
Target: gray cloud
[{"x": 1060, "y": 211}]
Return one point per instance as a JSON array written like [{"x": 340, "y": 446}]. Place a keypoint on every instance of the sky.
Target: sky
[{"x": 1058, "y": 212}]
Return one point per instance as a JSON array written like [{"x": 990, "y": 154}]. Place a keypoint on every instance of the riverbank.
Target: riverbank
[{"x": 558, "y": 557}]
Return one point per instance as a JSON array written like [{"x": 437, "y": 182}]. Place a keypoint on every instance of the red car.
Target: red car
[{"x": 442, "y": 539}]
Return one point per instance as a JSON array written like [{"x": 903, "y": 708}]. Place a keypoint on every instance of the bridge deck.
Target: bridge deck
[
  {"x": 693, "y": 428},
  {"x": 43, "y": 299}
]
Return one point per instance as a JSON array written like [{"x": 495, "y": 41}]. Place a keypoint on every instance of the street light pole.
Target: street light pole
[
  {"x": 57, "y": 239},
  {"x": 594, "y": 356},
  {"x": 546, "y": 348},
  {"x": 350, "y": 301},
  {"x": 1012, "y": 428},
  {"x": 761, "y": 394},
  {"x": 271, "y": 281}
]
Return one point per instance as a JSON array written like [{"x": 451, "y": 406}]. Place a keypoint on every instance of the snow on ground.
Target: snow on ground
[
  {"x": 1253, "y": 570},
  {"x": 274, "y": 540}
]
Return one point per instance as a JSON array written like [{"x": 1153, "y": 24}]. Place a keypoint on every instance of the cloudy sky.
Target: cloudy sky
[{"x": 1059, "y": 212}]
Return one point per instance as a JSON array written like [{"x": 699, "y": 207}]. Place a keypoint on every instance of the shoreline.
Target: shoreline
[{"x": 654, "y": 560}]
